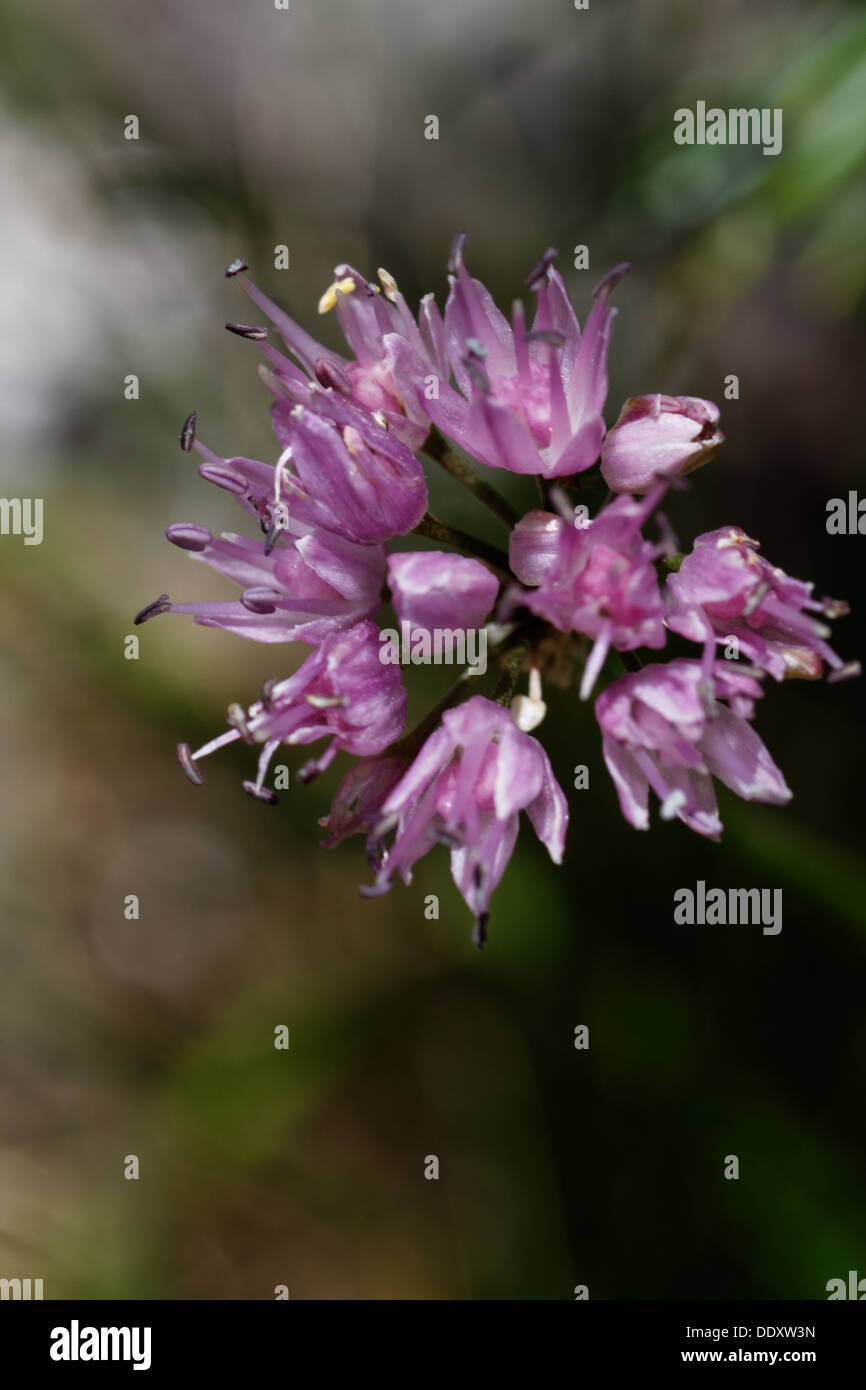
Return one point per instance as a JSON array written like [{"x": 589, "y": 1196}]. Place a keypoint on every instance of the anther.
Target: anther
[
  {"x": 259, "y": 600},
  {"x": 539, "y": 271},
  {"x": 235, "y": 268},
  {"x": 261, "y": 793},
  {"x": 187, "y": 434},
  {"x": 188, "y": 764},
  {"x": 159, "y": 605},
  {"x": 186, "y": 535},
  {"x": 236, "y": 716},
  {"x": 247, "y": 330}
]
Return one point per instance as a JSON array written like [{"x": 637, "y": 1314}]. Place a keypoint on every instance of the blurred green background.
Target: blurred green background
[{"x": 155, "y": 1037}]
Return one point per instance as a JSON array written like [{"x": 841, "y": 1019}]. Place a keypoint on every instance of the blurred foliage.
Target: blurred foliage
[{"x": 155, "y": 1037}]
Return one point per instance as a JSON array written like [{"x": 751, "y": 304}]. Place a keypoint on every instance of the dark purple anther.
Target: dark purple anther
[
  {"x": 247, "y": 330},
  {"x": 187, "y": 434},
  {"x": 186, "y": 535},
  {"x": 159, "y": 605}
]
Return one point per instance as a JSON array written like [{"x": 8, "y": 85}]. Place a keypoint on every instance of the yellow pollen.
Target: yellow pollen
[{"x": 329, "y": 298}]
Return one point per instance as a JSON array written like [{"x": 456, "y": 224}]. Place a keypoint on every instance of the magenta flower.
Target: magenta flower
[
  {"x": 430, "y": 589},
  {"x": 465, "y": 789},
  {"x": 306, "y": 587},
  {"x": 597, "y": 579},
  {"x": 662, "y": 729},
  {"x": 659, "y": 437},
  {"x": 342, "y": 692},
  {"x": 528, "y": 400},
  {"x": 343, "y": 472},
  {"x": 373, "y": 319},
  {"x": 347, "y": 481},
  {"x": 724, "y": 589}
]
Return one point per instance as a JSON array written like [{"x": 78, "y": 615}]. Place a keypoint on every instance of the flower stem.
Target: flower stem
[
  {"x": 511, "y": 667},
  {"x": 438, "y": 449},
  {"x": 436, "y": 530}
]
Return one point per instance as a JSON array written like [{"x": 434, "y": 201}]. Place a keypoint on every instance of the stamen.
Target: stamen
[
  {"x": 159, "y": 605},
  {"x": 327, "y": 701},
  {"x": 389, "y": 285},
  {"x": 264, "y": 794},
  {"x": 672, "y": 803},
  {"x": 187, "y": 434},
  {"x": 260, "y": 600},
  {"x": 186, "y": 535},
  {"x": 223, "y": 477},
  {"x": 237, "y": 717},
  {"x": 756, "y": 597},
  {"x": 187, "y": 762},
  {"x": 329, "y": 298},
  {"x": 247, "y": 330},
  {"x": 268, "y": 691},
  {"x": 235, "y": 268},
  {"x": 279, "y": 522},
  {"x": 333, "y": 375},
  {"x": 455, "y": 259},
  {"x": 476, "y": 373},
  {"x": 539, "y": 271}
]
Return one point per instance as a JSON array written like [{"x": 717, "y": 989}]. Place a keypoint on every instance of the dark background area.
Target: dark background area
[{"x": 155, "y": 1037}]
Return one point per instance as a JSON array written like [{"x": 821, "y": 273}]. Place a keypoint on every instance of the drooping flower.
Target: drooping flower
[
  {"x": 664, "y": 728},
  {"x": 724, "y": 589},
  {"x": 341, "y": 692},
  {"x": 431, "y": 589},
  {"x": 659, "y": 437},
  {"x": 374, "y": 318},
  {"x": 465, "y": 789},
  {"x": 595, "y": 577},
  {"x": 357, "y": 805},
  {"x": 529, "y": 401}
]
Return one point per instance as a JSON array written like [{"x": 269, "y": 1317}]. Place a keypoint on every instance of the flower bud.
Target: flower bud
[{"x": 658, "y": 437}]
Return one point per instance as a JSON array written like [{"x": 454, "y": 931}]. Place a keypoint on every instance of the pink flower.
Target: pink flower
[
  {"x": 664, "y": 729},
  {"x": 724, "y": 589},
  {"x": 342, "y": 692},
  {"x": 598, "y": 578},
  {"x": 466, "y": 789},
  {"x": 659, "y": 437}
]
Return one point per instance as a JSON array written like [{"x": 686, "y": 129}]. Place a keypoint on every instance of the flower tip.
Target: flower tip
[
  {"x": 539, "y": 271},
  {"x": 236, "y": 267},
  {"x": 844, "y": 673},
  {"x": 612, "y": 279}
]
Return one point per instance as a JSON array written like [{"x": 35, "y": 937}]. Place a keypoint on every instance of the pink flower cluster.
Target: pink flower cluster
[{"x": 476, "y": 392}]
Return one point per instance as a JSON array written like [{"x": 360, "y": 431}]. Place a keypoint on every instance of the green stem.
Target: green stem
[
  {"x": 438, "y": 449},
  {"x": 511, "y": 668},
  {"x": 436, "y": 530}
]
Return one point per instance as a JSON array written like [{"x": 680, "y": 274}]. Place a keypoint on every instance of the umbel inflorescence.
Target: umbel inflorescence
[{"x": 571, "y": 589}]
